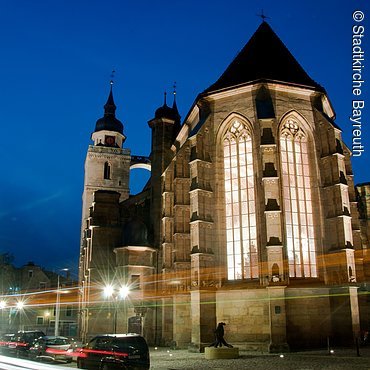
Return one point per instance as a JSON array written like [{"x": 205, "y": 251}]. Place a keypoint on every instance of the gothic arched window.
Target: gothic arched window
[
  {"x": 297, "y": 194},
  {"x": 241, "y": 233},
  {"x": 106, "y": 171}
]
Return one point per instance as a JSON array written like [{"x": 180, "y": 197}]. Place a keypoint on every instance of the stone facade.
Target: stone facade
[{"x": 251, "y": 217}]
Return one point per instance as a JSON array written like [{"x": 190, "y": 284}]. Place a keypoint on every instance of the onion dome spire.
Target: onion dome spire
[
  {"x": 110, "y": 107},
  {"x": 165, "y": 111},
  {"x": 109, "y": 122}
]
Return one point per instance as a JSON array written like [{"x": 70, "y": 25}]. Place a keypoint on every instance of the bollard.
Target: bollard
[{"x": 357, "y": 347}]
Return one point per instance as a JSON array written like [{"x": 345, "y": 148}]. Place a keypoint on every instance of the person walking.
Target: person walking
[{"x": 220, "y": 340}]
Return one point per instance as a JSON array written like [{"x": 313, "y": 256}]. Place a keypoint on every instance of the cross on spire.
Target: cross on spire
[
  {"x": 112, "y": 77},
  {"x": 174, "y": 90},
  {"x": 263, "y": 16}
]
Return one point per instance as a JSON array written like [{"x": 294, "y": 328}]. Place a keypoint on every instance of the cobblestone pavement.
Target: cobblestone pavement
[{"x": 164, "y": 359}]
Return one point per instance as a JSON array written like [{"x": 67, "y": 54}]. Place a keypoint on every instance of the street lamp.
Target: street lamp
[
  {"x": 47, "y": 321},
  {"x": 124, "y": 292},
  {"x": 108, "y": 291},
  {"x": 121, "y": 294},
  {"x": 20, "y": 305},
  {"x": 57, "y": 306}
]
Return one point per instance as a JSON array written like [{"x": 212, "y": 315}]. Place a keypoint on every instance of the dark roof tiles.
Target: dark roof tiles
[{"x": 264, "y": 57}]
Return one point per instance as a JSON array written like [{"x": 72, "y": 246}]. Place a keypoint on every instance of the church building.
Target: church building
[{"x": 250, "y": 217}]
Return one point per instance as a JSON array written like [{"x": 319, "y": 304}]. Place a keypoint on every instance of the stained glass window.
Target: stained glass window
[
  {"x": 297, "y": 193},
  {"x": 241, "y": 233}
]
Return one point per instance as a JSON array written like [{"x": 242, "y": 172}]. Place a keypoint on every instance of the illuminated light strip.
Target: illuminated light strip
[
  {"x": 57, "y": 351},
  {"x": 18, "y": 344},
  {"x": 53, "y": 291},
  {"x": 117, "y": 354},
  {"x": 76, "y": 354},
  {"x": 66, "y": 352}
]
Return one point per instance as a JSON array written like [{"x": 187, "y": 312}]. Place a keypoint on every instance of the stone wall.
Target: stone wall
[
  {"x": 246, "y": 314},
  {"x": 308, "y": 317},
  {"x": 181, "y": 320}
]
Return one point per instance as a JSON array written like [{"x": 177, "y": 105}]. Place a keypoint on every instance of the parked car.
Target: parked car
[
  {"x": 4, "y": 342},
  {"x": 51, "y": 348},
  {"x": 21, "y": 342},
  {"x": 115, "y": 351}
]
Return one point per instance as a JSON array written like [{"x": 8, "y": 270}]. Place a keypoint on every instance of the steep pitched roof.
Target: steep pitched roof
[{"x": 264, "y": 57}]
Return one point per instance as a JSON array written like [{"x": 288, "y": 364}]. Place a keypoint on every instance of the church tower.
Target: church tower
[
  {"x": 165, "y": 126},
  {"x": 107, "y": 164},
  {"x": 106, "y": 183}
]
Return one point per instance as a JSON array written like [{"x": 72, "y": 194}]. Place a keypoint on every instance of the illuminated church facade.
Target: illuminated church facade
[{"x": 250, "y": 217}]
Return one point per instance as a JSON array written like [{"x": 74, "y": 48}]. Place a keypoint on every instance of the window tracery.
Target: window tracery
[
  {"x": 298, "y": 202},
  {"x": 241, "y": 229}
]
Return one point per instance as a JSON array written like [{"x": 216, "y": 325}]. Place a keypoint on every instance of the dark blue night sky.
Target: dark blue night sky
[{"x": 55, "y": 68}]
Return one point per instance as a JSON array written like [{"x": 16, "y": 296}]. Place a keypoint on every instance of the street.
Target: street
[{"x": 166, "y": 359}]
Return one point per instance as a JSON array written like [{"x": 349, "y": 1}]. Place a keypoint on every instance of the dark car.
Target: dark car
[
  {"x": 21, "y": 342},
  {"x": 4, "y": 342},
  {"x": 115, "y": 351},
  {"x": 51, "y": 348}
]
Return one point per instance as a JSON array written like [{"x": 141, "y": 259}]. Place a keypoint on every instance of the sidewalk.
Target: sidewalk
[{"x": 167, "y": 359}]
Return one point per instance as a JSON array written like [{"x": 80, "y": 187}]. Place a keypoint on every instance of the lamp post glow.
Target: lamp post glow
[
  {"x": 57, "y": 306},
  {"x": 108, "y": 291},
  {"x": 122, "y": 293},
  {"x": 47, "y": 319},
  {"x": 20, "y": 306}
]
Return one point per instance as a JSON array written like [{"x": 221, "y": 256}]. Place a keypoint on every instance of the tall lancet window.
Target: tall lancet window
[
  {"x": 241, "y": 233},
  {"x": 106, "y": 171},
  {"x": 297, "y": 193}
]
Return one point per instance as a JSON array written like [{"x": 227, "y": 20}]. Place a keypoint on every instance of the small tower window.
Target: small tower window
[
  {"x": 135, "y": 282},
  {"x": 106, "y": 171}
]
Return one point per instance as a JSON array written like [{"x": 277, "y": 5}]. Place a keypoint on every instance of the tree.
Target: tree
[{"x": 6, "y": 258}]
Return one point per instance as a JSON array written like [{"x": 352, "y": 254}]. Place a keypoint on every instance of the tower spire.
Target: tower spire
[
  {"x": 110, "y": 107},
  {"x": 109, "y": 122},
  {"x": 174, "y": 105},
  {"x": 174, "y": 92},
  {"x": 112, "y": 77}
]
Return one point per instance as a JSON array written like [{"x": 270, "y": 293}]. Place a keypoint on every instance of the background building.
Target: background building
[
  {"x": 29, "y": 299},
  {"x": 250, "y": 216}
]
